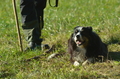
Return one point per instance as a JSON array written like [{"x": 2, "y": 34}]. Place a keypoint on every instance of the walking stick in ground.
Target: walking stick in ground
[{"x": 17, "y": 25}]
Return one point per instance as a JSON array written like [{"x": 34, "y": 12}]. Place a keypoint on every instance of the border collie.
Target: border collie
[{"x": 85, "y": 46}]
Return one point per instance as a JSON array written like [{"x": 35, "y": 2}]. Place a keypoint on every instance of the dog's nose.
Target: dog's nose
[{"x": 78, "y": 36}]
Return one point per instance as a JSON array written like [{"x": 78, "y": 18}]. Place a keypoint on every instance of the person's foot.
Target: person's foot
[{"x": 33, "y": 46}]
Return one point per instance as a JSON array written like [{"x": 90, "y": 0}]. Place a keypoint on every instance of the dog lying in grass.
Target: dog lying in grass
[{"x": 85, "y": 46}]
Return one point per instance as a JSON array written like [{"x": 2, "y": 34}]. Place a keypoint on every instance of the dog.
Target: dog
[{"x": 85, "y": 46}]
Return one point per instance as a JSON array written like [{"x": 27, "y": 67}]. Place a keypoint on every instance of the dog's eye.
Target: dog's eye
[{"x": 76, "y": 31}]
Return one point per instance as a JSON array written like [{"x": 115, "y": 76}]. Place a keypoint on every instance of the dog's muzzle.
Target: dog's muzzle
[{"x": 79, "y": 40}]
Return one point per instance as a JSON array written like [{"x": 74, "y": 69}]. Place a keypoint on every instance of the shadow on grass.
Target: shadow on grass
[
  {"x": 113, "y": 41},
  {"x": 114, "y": 56}
]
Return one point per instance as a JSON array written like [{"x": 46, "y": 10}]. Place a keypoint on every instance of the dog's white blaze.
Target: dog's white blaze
[{"x": 79, "y": 35}]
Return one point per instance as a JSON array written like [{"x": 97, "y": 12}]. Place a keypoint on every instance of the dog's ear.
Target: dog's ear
[
  {"x": 90, "y": 28},
  {"x": 71, "y": 35},
  {"x": 71, "y": 43}
]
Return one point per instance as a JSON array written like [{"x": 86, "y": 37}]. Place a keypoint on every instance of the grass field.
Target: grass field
[{"x": 102, "y": 15}]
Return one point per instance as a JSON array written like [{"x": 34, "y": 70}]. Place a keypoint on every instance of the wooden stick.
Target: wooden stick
[{"x": 17, "y": 25}]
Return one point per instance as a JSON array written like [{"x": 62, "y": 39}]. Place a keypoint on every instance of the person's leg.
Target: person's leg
[
  {"x": 30, "y": 22},
  {"x": 39, "y": 6}
]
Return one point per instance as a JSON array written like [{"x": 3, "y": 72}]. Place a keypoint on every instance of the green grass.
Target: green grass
[{"x": 102, "y": 15}]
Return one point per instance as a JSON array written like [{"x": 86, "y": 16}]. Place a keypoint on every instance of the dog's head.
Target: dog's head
[{"x": 81, "y": 35}]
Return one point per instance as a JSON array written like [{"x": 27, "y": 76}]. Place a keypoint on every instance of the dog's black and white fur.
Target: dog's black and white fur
[{"x": 85, "y": 46}]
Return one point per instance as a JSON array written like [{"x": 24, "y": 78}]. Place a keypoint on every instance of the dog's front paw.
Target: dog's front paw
[{"x": 76, "y": 63}]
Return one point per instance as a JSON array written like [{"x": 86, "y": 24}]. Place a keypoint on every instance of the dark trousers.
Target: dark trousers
[{"x": 32, "y": 14}]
